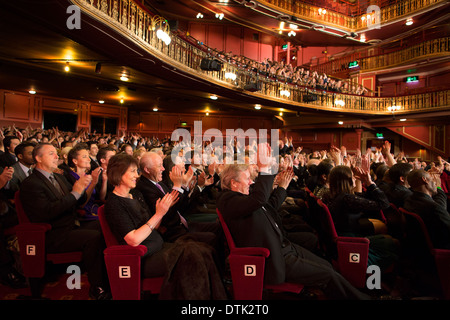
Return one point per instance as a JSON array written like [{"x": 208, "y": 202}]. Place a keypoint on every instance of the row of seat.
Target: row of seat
[
  {"x": 123, "y": 262},
  {"x": 350, "y": 254}
]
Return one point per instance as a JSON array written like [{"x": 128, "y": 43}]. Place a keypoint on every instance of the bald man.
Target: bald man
[
  {"x": 430, "y": 203},
  {"x": 173, "y": 225}
]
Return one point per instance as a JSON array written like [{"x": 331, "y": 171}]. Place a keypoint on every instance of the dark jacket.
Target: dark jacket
[{"x": 249, "y": 218}]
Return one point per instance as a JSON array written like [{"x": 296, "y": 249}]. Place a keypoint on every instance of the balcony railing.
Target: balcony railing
[
  {"x": 139, "y": 25},
  {"x": 426, "y": 49},
  {"x": 354, "y": 18}
]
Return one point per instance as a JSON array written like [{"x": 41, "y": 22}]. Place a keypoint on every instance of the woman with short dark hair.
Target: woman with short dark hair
[{"x": 128, "y": 215}]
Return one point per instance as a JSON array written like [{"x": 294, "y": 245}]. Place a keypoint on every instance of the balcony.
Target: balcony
[{"x": 183, "y": 53}]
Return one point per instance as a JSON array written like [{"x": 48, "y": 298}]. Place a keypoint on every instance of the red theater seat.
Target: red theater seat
[
  {"x": 247, "y": 270},
  {"x": 416, "y": 228},
  {"x": 349, "y": 254},
  {"x": 31, "y": 237},
  {"x": 123, "y": 264}
]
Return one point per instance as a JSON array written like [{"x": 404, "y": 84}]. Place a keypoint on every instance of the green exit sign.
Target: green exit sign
[
  {"x": 353, "y": 64},
  {"x": 412, "y": 79},
  {"x": 183, "y": 123},
  {"x": 284, "y": 46}
]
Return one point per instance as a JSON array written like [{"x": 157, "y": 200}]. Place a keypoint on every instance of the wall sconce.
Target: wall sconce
[{"x": 199, "y": 15}]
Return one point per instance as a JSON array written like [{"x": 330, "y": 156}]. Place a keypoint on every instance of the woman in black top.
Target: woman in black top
[
  {"x": 359, "y": 214},
  {"x": 128, "y": 216}
]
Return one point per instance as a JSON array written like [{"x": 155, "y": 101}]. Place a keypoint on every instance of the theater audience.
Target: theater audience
[
  {"x": 247, "y": 215},
  {"x": 48, "y": 197},
  {"x": 342, "y": 179}
]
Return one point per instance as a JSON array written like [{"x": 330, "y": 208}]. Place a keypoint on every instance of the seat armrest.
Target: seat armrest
[
  {"x": 33, "y": 227},
  {"x": 251, "y": 251},
  {"x": 126, "y": 250},
  {"x": 353, "y": 239}
]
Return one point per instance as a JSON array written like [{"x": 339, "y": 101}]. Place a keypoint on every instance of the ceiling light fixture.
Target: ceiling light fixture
[
  {"x": 257, "y": 106},
  {"x": 199, "y": 15},
  {"x": 101, "y": 101},
  {"x": 409, "y": 21},
  {"x": 219, "y": 16},
  {"x": 213, "y": 97},
  {"x": 281, "y": 114},
  {"x": 124, "y": 77},
  {"x": 122, "y": 100},
  {"x": 155, "y": 109},
  {"x": 291, "y": 33},
  {"x": 403, "y": 119},
  {"x": 67, "y": 67},
  {"x": 341, "y": 122},
  {"x": 32, "y": 92}
]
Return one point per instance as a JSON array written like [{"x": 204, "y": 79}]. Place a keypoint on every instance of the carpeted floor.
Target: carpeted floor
[{"x": 56, "y": 289}]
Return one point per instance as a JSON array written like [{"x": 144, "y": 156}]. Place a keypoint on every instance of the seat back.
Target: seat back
[
  {"x": 326, "y": 230},
  {"x": 246, "y": 266},
  {"x": 417, "y": 244},
  {"x": 21, "y": 215},
  {"x": 122, "y": 265},
  {"x": 350, "y": 254},
  {"x": 418, "y": 239},
  {"x": 110, "y": 239},
  {"x": 226, "y": 231}
]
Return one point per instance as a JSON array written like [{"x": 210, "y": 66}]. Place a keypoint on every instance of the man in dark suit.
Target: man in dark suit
[
  {"x": 47, "y": 197},
  {"x": 430, "y": 203},
  {"x": 22, "y": 168},
  {"x": 249, "y": 217}
]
